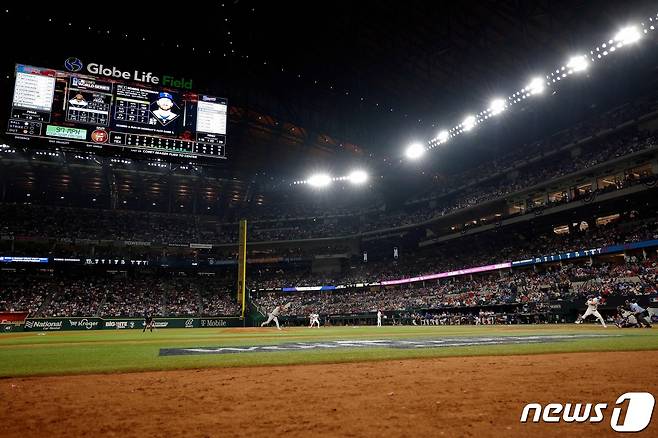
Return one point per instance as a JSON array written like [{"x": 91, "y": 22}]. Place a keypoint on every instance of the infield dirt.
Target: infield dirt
[{"x": 452, "y": 397}]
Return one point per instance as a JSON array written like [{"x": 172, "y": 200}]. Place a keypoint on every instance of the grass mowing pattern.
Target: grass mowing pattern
[{"x": 78, "y": 352}]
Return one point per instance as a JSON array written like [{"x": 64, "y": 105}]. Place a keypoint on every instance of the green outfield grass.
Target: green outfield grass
[{"x": 103, "y": 351}]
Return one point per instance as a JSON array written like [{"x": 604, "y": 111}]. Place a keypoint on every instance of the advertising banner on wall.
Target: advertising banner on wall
[{"x": 94, "y": 323}]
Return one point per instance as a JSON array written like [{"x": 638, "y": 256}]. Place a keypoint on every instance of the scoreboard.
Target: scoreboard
[{"x": 85, "y": 111}]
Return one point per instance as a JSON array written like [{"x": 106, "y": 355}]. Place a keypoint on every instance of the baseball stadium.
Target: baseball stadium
[{"x": 329, "y": 219}]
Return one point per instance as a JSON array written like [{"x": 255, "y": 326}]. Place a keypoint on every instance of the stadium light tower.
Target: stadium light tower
[
  {"x": 415, "y": 151},
  {"x": 443, "y": 136},
  {"x": 319, "y": 180},
  {"x": 358, "y": 177},
  {"x": 468, "y": 123}
]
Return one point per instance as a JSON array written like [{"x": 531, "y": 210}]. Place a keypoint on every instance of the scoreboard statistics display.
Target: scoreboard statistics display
[{"x": 72, "y": 108}]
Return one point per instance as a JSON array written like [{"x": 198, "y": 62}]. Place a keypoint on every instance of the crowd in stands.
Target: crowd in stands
[
  {"x": 96, "y": 224},
  {"x": 51, "y": 297},
  {"x": 157, "y": 228},
  {"x": 116, "y": 297},
  {"x": 522, "y": 287},
  {"x": 76, "y": 298},
  {"x": 285, "y": 209},
  {"x": 306, "y": 229},
  {"x": 484, "y": 249},
  {"x": 635, "y": 277},
  {"x": 133, "y": 297},
  {"x": 23, "y": 294},
  {"x": 182, "y": 299}
]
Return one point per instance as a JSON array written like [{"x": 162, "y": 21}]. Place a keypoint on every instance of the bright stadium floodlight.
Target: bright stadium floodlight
[
  {"x": 536, "y": 86},
  {"x": 497, "y": 106},
  {"x": 628, "y": 35},
  {"x": 415, "y": 151},
  {"x": 468, "y": 123},
  {"x": 358, "y": 177},
  {"x": 578, "y": 63},
  {"x": 319, "y": 180},
  {"x": 539, "y": 84}
]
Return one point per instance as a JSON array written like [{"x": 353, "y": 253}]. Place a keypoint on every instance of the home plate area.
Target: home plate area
[{"x": 377, "y": 343}]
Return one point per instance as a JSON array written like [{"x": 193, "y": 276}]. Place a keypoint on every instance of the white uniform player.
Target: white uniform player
[
  {"x": 274, "y": 316},
  {"x": 314, "y": 319},
  {"x": 379, "y": 318},
  {"x": 592, "y": 309}
]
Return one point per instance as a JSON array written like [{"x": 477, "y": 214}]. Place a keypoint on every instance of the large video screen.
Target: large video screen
[{"x": 104, "y": 112}]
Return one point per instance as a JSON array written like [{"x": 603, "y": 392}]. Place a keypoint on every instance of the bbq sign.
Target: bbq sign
[{"x": 73, "y": 64}]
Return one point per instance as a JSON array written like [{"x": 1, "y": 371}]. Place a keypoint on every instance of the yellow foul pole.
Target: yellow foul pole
[{"x": 242, "y": 264}]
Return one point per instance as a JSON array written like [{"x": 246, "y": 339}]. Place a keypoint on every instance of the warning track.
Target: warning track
[{"x": 377, "y": 343}]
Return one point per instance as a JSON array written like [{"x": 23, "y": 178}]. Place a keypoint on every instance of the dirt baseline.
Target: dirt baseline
[{"x": 453, "y": 397}]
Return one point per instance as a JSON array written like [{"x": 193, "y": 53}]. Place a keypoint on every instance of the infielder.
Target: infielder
[
  {"x": 274, "y": 315},
  {"x": 592, "y": 306},
  {"x": 315, "y": 319}
]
